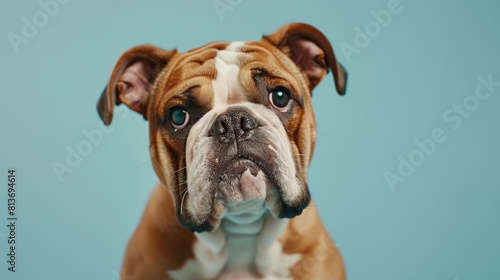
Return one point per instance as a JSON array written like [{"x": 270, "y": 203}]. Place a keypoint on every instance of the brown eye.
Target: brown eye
[
  {"x": 179, "y": 118},
  {"x": 279, "y": 98}
]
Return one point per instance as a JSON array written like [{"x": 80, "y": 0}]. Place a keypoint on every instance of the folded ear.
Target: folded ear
[
  {"x": 311, "y": 51},
  {"x": 135, "y": 71}
]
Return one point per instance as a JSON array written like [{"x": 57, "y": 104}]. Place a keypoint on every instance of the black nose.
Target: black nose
[{"x": 233, "y": 125}]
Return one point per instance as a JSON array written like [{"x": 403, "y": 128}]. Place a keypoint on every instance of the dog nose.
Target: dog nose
[{"x": 233, "y": 125}]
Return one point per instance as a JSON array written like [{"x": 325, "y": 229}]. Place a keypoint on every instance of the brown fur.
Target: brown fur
[{"x": 160, "y": 242}]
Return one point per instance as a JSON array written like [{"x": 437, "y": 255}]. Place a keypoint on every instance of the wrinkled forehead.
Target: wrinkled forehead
[
  {"x": 202, "y": 61},
  {"x": 220, "y": 73}
]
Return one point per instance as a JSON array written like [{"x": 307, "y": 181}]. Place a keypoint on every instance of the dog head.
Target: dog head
[{"x": 231, "y": 123}]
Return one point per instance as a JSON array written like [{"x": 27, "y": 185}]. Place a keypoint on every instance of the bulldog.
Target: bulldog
[{"x": 232, "y": 134}]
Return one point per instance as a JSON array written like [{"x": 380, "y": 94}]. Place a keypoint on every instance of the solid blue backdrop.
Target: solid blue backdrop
[{"x": 405, "y": 173}]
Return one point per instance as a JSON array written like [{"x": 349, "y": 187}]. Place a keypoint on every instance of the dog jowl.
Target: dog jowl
[{"x": 232, "y": 133}]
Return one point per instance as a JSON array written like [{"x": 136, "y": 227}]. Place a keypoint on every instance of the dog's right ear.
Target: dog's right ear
[{"x": 135, "y": 71}]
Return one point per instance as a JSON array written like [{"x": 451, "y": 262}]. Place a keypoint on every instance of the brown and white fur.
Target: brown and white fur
[{"x": 233, "y": 176}]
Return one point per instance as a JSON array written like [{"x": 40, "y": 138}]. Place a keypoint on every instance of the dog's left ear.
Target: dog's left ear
[
  {"x": 311, "y": 51},
  {"x": 135, "y": 71}
]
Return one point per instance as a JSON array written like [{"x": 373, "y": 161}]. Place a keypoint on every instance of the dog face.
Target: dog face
[{"x": 231, "y": 123}]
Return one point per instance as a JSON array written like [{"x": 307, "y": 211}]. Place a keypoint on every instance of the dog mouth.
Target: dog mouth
[
  {"x": 239, "y": 180},
  {"x": 244, "y": 187},
  {"x": 236, "y": 167}
]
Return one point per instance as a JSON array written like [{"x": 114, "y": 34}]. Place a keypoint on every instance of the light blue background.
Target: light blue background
[{"x": 443, "y": 222}]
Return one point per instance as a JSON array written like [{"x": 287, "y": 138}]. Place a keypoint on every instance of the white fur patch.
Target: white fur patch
[
  {"x": 226, "y": 86},
  {"x": 223, "y": 254}
]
